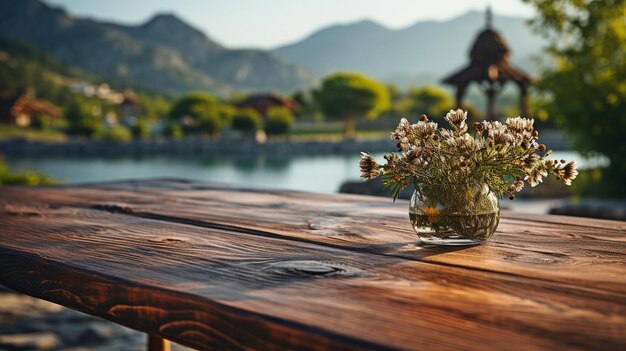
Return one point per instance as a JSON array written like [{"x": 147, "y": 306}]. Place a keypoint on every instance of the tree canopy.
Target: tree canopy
[
  {"x": 205, "y": 112},
  {"x": 350, "y": 95},
  {"x": 247, "y": 121},
  {"x": 278, "y": 121},
  {"x": 430, "y": 100},
  {"x": 587, "y": 82}
]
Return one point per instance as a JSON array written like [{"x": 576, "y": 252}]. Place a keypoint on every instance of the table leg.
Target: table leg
[{"x": 157, "y": 343}]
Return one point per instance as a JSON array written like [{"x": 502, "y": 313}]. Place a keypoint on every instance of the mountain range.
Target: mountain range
[
  {"x": 164, "y": 53},
  {"x": 167, "y": 54},
  {"x": 423, "y": 52}
]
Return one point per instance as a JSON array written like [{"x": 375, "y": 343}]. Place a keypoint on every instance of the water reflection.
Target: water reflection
[
  {"x": 251, "y": 163},
  {"x": 322, "y": 173}
]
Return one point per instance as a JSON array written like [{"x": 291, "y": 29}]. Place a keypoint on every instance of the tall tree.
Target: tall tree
[
  {"x": 199, "y": 111},
  {"x": 587, "y": 82},
  {"x": 348, "y": 96}
]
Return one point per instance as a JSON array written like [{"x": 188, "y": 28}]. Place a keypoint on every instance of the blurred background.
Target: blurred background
[
  {"x": 285, "y": 94},
  {"x": 262, "y": 94}
]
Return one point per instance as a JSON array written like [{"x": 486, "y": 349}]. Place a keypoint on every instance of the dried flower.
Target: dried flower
[
  {"x": 536, "y": 176},
  {"x": 567, "y": 173},
  {"x": 517, "y": 186},
  {"x": 457, "y": 120},
  {"x": 502, "y": 156},
  {"x": 425, "y": 130},
  {"x": 369, "y": 168},
  {"x": 519, "y": 124}
]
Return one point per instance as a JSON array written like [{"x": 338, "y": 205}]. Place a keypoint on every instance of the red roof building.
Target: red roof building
[
  {"x": 263, "y": 102},
  {"x": 21, "y": 109}
]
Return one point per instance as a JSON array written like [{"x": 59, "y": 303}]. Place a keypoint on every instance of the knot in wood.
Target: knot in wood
[
  {"x": 113, "y": 208},
  {"x": 306, "y": 269}
]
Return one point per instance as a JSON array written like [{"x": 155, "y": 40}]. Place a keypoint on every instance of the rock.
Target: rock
[
  {"x": 596, "y": 208},
  {"x": 29, "y": 341}
]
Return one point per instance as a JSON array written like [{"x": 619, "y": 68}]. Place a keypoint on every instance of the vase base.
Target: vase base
[{"x": 453, "y": 240}]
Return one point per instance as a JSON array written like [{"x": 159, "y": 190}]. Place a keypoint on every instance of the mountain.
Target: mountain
[
  {"x": 165, "y": 53},
  {"x": 425, "y": 51}
]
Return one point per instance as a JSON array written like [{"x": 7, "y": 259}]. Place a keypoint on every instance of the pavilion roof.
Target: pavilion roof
[{"x": 489, "y": 61}]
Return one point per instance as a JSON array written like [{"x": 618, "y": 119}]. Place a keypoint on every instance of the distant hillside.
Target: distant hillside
[
  {"x": 23, "y": 67},
  {"x": 164, "y": 53},
  {"x": 424, "y": 52}
]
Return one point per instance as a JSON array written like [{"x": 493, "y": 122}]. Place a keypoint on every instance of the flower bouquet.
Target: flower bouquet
[{"x": 458, "y": 177}]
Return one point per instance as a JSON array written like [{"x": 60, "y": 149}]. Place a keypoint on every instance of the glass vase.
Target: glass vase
[{"x": 454, "y": 216}]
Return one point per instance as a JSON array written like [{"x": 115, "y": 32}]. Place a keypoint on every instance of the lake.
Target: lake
[{"x": 323, "y": 173}]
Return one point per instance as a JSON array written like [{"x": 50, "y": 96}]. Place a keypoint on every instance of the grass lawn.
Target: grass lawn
[
  {"x": 332, "y": 131},
  {"x": 14, "y": 132}
]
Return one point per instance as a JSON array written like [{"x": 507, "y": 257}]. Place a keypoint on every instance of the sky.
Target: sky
[{"x": 272, "y": 23}]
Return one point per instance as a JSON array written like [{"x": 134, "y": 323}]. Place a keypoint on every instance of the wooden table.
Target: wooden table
[{"x": 216, "y": 268}]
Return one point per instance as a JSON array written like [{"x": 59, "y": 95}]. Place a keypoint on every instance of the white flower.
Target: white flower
[
  {"x": 536, "y": 176},
  {"x": 425, "y": 129},
  {"x": 464, "y": 144},
  {"x": 568, "y": 172},
  {"x": 529, "y": 162},
  {"x": 402, "y": 130},
  {"x": 404, "y": 144},
  {"x": 517, "y": 185},
  {"x": 369, "y": 168},
  {"x": 457, "y": 120},
  {"x": 519, "y": 124}
]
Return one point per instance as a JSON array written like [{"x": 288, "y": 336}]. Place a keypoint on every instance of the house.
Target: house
[
  {"x": 21, "y": 109},
  {"x": 263, "y": 102}
]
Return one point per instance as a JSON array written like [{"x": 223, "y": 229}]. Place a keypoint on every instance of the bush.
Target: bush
[
  {"x": 141, "y": 130},
  {"x": 118, "y": 133},
  {"x": 194, "y": 105},
  {"x": 41, "y": 122},
  {"x": 7, "y": 177},
  {"x": 82, "y": 121},
  {"x": 88, "y": 127},
  {"x": 247, "y": 120},
  {"x": 211, "y": 124},
  {"x": 173, "y": 131},
  {"x": 278, "y": 121}
]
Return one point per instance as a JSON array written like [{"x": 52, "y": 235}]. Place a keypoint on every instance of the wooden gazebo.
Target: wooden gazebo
[{"x": 490, "y": 67}]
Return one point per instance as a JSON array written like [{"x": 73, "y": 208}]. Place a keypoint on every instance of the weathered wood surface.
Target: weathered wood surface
[{"x": 217, "y": 268}]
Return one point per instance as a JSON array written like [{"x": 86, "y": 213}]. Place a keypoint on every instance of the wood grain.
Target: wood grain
[{"x": 247, "y": 269}]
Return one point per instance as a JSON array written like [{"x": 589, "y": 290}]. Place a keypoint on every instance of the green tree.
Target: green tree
[
  {"x": 278, "y": 121},
  {"x": 118, "y": 133},
  {"x": 203, "y": 111},
  {"x": 154, "y": 107},
  {"x": 81, "y": 120},
  {"x": 350, "y": 95},
  {"x": 41, "y": 122},
  {"x": 587, "y": 82},
  {"x": 430, "y": 100},
  {"x": 141, "y": 130},
  {"x": 8, "y": 177},
  {"x": 173, "y": 131},
  {"x": 247, "y": 121}
]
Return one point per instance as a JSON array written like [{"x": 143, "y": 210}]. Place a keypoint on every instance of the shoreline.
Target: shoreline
[
  {"x": 189, "y": 146},
  {"x": 196, "y": 145}
]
